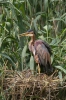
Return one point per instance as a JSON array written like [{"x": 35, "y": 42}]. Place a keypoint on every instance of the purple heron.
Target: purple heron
[{"x": 41, "y": 52}]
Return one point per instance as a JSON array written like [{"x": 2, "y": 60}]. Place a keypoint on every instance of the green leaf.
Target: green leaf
[
  {"x": 47, "y": 27},
  {"x": 24, "y": 51},
  {"x": 6, "y": 56},
  {"x": 35, "y": 21},
  {"x": 45, "y": 4},
  {"x": 0, "y": 41},
  {"x": 52, "y": 58},
  {"x": 23, "y": 55},
  {"x": 60, "y": 77},
  {"x": 1, "y": 17},
  {"x": 29, "y": 6},
  {"x": 8, "y": 24},
  {"x": 31, "y": 63},
  {"x": 61, "y": 68},
  {"x": 55, "y": 41}
]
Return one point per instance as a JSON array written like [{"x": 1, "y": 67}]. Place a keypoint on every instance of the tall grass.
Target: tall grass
[{"x": 49, "y": 23}]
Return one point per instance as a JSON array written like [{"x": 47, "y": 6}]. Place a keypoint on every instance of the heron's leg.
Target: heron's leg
[{"x": 38, "y": 68}]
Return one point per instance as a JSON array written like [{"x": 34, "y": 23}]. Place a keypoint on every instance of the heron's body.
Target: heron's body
[
  {"x": 41, "y": 52},
  {"x": 42, "y": 55}
]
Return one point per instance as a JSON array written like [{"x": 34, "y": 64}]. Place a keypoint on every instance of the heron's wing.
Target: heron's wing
[
  {"x": 43, "y": 54},
  {"x": 46, "y": 45},
  {"x": 44, "y": 59}
]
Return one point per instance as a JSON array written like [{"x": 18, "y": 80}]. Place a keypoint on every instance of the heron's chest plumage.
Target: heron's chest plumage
[{"x": 32, "y": 48}]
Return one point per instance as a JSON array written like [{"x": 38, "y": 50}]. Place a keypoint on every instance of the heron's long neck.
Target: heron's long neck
[
  {"x": 32, "y": 39},
  {"x": 31, "y": 45}
]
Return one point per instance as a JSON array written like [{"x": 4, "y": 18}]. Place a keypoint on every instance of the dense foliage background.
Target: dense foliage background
[{"x": 49, "y": 22}]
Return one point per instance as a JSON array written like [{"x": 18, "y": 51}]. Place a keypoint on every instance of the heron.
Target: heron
[{"x": 41, "y": 52}]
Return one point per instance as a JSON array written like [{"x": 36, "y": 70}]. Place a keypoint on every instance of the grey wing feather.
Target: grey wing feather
[
  {"x": 46, "y": 45},
  {"x": 43, "y": 54}
]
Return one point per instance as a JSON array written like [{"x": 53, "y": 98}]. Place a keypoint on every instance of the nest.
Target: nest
[{"x": 27, "y": 85}]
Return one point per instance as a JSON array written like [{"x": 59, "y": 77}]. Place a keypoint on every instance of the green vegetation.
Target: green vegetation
[{"x": 49, "y": 23}]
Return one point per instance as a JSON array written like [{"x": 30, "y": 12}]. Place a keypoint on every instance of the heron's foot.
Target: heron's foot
[{"x": 38, "y": 69}]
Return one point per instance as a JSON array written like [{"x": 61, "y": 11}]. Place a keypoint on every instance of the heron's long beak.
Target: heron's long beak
[{"x": 26, "y": 34}]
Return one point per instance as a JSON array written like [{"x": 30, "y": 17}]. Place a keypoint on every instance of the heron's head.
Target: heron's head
[{"x": 29, "y": 33}]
